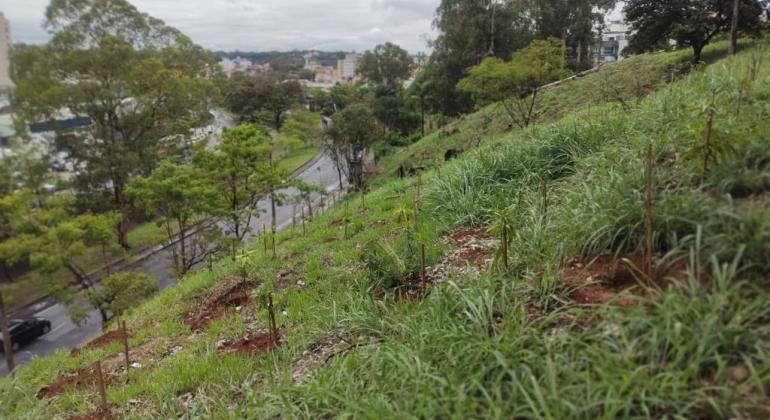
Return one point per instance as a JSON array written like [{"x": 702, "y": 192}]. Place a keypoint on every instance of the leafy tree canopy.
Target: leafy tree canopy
[
  {"x": 388, "y": 64},
  {"x": 137, "y": 82},
  {"x": 691, "y": 23}
]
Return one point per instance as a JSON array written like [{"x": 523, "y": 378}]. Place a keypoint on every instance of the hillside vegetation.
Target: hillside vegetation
[
  {"x": 574, "y": 327},
  {"x": 625, "y": 82}
]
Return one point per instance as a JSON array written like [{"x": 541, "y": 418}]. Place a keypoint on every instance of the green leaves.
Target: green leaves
[
  {"x": 122, "y": 291},
  {"x": 516, "y": 82}
]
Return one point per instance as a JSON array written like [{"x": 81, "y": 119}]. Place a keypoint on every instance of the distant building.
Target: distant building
[
  {"x": 614, "y": 41},
  {"x": 5, "y": 52},
  {"x": 241, "y": 65},
  {"x": 347, "y": 67}
]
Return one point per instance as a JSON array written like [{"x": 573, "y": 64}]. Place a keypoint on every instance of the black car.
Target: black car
[{"x": 25, "y": 330}]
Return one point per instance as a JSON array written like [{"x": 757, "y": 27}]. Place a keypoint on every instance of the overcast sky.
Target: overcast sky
[{"x": 260, "y": 25}]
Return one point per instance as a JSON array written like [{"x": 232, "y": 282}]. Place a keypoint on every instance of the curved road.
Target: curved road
[{"x": 65, "y": 334}]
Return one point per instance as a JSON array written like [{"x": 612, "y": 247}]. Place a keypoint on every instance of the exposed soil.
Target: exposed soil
[
  {"x": 102, "y": 341},
  {"x": 95, "y": 415},
  {"x": 324, "y": 350},
  {"x": 474, "y": 248},
  {"x": 83, "y": 378},
  {"x": 612, "y": 279},
  {"x": 251, "y": 345},
  {"x": 228, "y": 293},
  {"x": 339, "y": 223},
  {"x": 329, "y": 240}
]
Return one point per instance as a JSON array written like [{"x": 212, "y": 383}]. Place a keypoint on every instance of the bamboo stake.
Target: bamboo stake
[
  {"x": 345, "y": 219},
  {"x": 273, "y": 241},
  {"x": 423, "y": 272},
  {"x": 271, "y": 319},
  {"x": 100, "y": 384},
  {"x": 264, "y": 237},
  {"x": 648, "y": 202},
  {"x": 304, "y": 231},
  {"x": 125, "y": 347}
]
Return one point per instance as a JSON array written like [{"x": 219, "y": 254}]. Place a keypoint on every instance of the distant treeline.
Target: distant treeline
[{"x": 294, "y": 57}]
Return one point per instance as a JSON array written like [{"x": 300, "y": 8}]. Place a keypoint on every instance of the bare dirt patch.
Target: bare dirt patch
[
  {"x": 612, "y": 279},
  {"x": 324, "y": 350},
  {"x": 102, "y": 341},
  {"x": 96, "y": 415},
  {"x": 85, "y": 377},
  {"x": 228, "y": 293},
  {"x": 329, "y": 240},
  {"x": 251, "y": 345},
  {"x": 473, "y": 249}
]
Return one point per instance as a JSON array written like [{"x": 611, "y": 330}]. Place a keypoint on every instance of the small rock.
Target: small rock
[
  {"x": 238, "y": 308},
  {"x": 136, "y": 365}
]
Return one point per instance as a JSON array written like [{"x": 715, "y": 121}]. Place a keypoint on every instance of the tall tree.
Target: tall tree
[
  {"x": 262, "y": 98},
  {"x": 387, "y": 65},
  {"x": 516, "y": 83},
  {"x": 137, "y": 83},
  {"x": 572, "y": 21},
  {"x": 691, "y": 23},
  {"x": 469, "y": 31},
  {"x": 353, "y": 131}
]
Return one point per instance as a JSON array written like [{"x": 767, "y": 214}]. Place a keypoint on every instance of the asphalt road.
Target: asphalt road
[{"x": 65, "y": 334}]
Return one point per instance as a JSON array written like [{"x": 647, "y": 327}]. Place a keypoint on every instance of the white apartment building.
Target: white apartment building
[
  {"x": 614, "y": 41},
  {"x": 5, "y": 52},
  {"x": 347, "y": 68}
]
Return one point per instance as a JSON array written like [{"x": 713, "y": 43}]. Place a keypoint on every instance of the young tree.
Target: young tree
[
  {"x": 691, "y": 23},
  {"x": 516, "y": 84},
  {"x": 122, "y": 291},
  {"x": 180, "y": 196},
  {"x": 387, "y": 65},
  {"x": 353, "y": 131},
  {"x": 136, "y": 83},
  {"x": 237, "y": 170}
]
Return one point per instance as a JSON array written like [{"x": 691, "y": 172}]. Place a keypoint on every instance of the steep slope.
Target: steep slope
[{"x": 573, "y": 329}]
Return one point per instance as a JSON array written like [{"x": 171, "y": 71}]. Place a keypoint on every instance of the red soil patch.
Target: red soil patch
[
  {"x": 252, "y": 345},
  {"x": 230, "y": 292},
  {"x": 339, "y": 222},
  {"x": 84, "y": 377},
  {"x": 463, "y": 235},
  {"x": 606, "y": 277},
  {"x": 102, "y": 341}
]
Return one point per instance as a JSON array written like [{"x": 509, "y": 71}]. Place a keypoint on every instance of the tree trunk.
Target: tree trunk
[
  {"x": 5, "y": 328},
  {"x": 272, "y": 208},
  {"x": 697, "y": 52},
  {"x": 734, "y": 27},
  {"x": 122, "y": 226}
]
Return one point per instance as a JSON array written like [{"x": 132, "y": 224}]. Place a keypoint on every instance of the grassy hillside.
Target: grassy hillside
[
  {"x": 573, "y": 329},
  {"x": 625, "y": 82}
]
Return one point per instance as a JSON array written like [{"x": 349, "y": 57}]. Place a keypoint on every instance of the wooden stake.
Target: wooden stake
[
  {"x": 271, "y": 319},
  {"x": 273, "y": 241},
  {"x": 648, "y": 202},
  {"x": 304, "y": 231},
  {"x": 125, "y": 347},
  {"x": 293, "y": 218},
  {"x": 345, "y": 219},
  {"x": 100, "y": 384},
  {"x": 264, "y": 237},
  {"x": 363, "y": 204},
  {"x": 505, "y": 248},
  {"x": 423, "y": 273}
]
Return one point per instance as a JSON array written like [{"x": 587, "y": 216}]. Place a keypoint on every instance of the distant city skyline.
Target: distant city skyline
[{"x": 265, "y": 25}]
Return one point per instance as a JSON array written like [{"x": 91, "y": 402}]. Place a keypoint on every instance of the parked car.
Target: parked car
[{"x": 25, "y": 330}]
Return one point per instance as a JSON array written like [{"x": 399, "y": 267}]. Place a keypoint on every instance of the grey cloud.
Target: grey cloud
[{"x": 269, "y": 24}]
